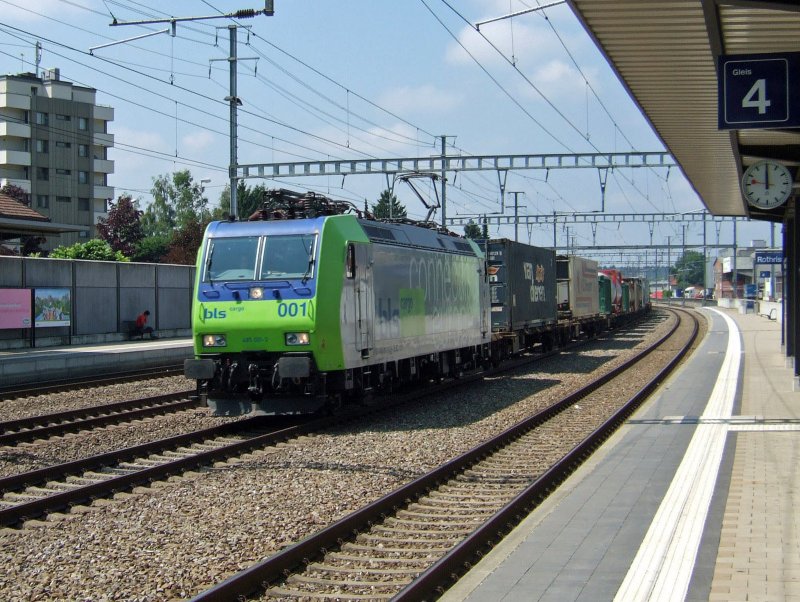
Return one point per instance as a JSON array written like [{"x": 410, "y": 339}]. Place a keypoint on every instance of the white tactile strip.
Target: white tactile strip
[{"x": 662, "y": 568}]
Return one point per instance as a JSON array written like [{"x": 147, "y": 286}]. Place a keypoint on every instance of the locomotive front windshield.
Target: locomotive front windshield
[{"x": 260, "y": 258}]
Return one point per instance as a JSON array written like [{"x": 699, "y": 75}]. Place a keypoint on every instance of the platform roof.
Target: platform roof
[{"x": 665, "y": 53}]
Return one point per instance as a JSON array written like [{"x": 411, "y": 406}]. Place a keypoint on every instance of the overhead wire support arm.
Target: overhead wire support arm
[
  {"x": 169, "y": 30},
  {"x": 247, "y": 13},
  {"x": 518, "y": 13}
]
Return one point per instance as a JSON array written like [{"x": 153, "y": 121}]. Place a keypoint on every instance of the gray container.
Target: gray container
[
  {"x": 578, "y": 287},
  {"x": 522, "y": 283}
]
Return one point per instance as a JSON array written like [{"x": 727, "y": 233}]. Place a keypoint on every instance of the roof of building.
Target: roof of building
[
  {"x": 12, "y": 208},
  {"x": 17, "y": 219}
]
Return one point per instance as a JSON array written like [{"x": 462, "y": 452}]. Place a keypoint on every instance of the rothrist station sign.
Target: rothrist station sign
[
  {"x": 769, "y": 257},
  {"x": 756, "y": 91}
]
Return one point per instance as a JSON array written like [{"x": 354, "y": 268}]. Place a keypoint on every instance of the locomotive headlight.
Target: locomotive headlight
[
  {"x": 214, "y": 340},
  {"x": 256, "y": 292},
  {"x": 296, "y": 338}
]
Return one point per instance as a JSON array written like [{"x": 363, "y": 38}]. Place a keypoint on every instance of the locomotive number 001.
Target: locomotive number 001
[{"x": 293, "y": 309}]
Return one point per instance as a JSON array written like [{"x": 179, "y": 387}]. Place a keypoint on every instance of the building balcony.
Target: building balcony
[
  {"x": 17, "y": 130},
  {"x": 24, "y": 184},
  {"x": 10, "y": 157},
  {"x": 103, "y": 166},
  {"x": 98, "y": 215},
  {"x": 9, "y": 100},
  {"x": 103, "y": 113},
  {"x": 103, "y": 192},
  {"x": 102, "y": 139}
]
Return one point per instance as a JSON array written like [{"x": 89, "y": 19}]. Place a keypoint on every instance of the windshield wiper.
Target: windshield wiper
[
  {"x": 208, "y": 268},
  {"x": 307, "y": 275}
]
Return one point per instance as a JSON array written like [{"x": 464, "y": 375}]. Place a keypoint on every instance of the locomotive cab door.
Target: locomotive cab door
[{"x": 365, "y": 304}]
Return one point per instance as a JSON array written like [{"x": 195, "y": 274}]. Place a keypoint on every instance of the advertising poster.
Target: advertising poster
[
  {"x": 15, "y": 308},
  {"x": 52, "y": 307}
]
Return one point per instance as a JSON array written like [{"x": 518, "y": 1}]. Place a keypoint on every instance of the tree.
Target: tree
[
  {"x": 152, "y": 249},
  {"x": 388, "y": 207},
  {"x": 122, "y": 229},
  {"x": 185, "y": 243},
  {"x": 16, "y": 193},
  {"x": 248, "y": 201},
  {"x": 175, "y": 203},
  {"x": 95, "y": 249},
  {"x": 689, "y": 269},
  {"x": 472, "y": 230}
]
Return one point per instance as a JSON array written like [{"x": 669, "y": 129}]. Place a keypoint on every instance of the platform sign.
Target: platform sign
[
  {"x": 15, "y": 308},
  {"x": 769, "y": 257},
  {"x": 764, "y": 274},
  {"x": 759, "y": 90}
]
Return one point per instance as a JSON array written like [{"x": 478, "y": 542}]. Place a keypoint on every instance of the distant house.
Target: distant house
[{"x": 18, "y": 220}]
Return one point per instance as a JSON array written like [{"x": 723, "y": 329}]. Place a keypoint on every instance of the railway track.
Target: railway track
[
  {"x": 54, "y": 386},
  {"x": 13, "y": 432},
  {"x": 409, "y": 544},
  {"x": 56, "y": 488},
  {"x": 33, "y": 494}
]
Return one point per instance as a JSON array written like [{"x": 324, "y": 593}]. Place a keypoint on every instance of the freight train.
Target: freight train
[{"x": 312, "y": 303}]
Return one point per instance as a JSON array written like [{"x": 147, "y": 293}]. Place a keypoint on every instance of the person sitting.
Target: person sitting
[{"x": 141, "y": 328}]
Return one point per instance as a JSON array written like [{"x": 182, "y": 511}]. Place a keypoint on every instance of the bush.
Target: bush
[{"x": 95, "y": 249}]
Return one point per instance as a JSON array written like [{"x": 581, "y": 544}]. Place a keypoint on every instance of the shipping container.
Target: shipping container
[
  {"x": 522, "y": 284},
  {"x": 604, "y": 293},
  {"x": 637, "y": 293},
  {"x": 626, "y": 297},
  {"x": 578, "y": 295},
  {"x": 616, "y": 289}
]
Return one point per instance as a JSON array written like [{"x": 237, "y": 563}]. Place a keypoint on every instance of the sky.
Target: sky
[{"x": 354, "y": 79}]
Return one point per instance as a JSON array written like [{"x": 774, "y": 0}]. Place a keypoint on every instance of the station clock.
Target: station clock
[{"x": 767, "y": 184}]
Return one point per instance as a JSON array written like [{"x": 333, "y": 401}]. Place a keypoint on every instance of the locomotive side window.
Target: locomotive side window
[
  {"x": 288, "y": 256},
  {"x": 350, "y": 267},
  {"x": 231, "y": 259}
]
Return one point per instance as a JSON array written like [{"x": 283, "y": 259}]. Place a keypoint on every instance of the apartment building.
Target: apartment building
[{"x": 54, "y": 145}]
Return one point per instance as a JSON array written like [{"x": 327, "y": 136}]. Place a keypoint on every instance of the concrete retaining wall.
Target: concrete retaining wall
[{"x": 104, "y": 294}]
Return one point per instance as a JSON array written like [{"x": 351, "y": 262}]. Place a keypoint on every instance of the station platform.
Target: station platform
[
  {"x": 39, "y": 365},
  {"x": 692, "y": 499}
]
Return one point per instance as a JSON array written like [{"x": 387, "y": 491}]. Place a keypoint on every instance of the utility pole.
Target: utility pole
[
  {"x": 234, "y": 103},
  {"x": 516, "y": 214},
  {"x": 735, "y": 273},
  {"x": 683, "y": 236},
  {"x": 669, "y": 260},
  {"x": 444, "y": 181},
  {"x": 37, "y": 57}
]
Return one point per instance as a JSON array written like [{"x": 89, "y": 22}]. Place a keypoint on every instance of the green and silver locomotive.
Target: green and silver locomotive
[{"x": 305, "y": 305}]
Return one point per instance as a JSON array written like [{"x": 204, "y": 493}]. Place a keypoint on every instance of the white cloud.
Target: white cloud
[
  {"x": 513, "y": 40},
  {"x": 197, "y": 141},
  {"x": 415, "y": 100}
]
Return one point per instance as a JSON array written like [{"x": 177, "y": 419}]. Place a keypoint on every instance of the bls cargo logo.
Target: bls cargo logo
[
  {"x": 538, "y": 292},
  {"x": 212, "y": 314}
]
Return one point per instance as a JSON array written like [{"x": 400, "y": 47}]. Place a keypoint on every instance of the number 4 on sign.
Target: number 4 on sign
[{"x": 756, "y": 97}]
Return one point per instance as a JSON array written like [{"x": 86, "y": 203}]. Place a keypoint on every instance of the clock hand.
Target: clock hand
[{"x": 766, "y": 177}]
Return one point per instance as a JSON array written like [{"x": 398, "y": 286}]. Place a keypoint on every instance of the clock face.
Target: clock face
[{"x": 767, "y": 184}]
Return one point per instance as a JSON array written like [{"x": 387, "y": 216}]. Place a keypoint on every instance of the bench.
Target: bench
[{"x": 129, "y": 328}]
